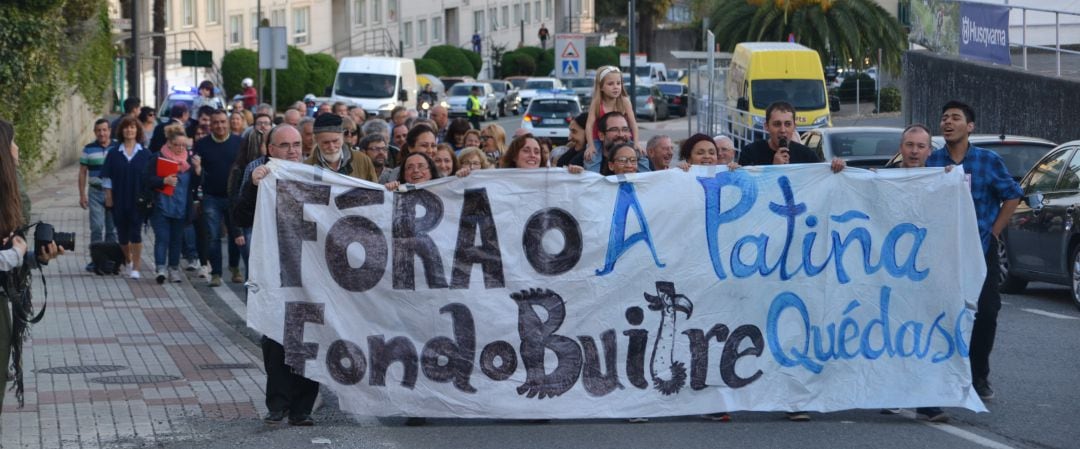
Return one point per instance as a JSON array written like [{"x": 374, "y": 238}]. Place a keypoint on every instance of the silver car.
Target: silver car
[
  {"x": 458, "y": 99},
  {"x": 858, "y": 146}
]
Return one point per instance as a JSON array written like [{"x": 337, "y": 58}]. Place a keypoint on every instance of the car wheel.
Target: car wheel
[
  {"x": 1009, "y": 283},
  {"x": 1076, "y": 276}
]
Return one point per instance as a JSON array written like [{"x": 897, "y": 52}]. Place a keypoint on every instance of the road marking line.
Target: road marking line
[
  {"x": 958, "y": 432},
  {"x": 1050, "y": 314}
]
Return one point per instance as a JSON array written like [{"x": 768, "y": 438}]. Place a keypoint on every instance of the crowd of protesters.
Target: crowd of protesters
[{"x": 216, "y": 160}]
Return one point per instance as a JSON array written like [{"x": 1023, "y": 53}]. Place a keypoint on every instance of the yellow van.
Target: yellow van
[{"x": 763, "y": 72}]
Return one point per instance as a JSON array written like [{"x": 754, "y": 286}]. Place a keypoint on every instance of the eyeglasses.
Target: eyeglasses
[
  {"x": 286, "y": 145},
  {"x": 483, "y": 137},
  {"x": 616, "y": 130},
  {"x": 348, "y": 133},
  {"x": 625, "y": 160},
  {"x": 472, "y": 164},
  {"x": 381, "y": 148}
]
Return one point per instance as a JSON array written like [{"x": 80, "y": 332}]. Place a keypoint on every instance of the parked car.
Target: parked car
[
  {"x": 458, "y": 96},
  {"x": 678, "y": 95},
  {"x": 583, "y": 87},
  {"x": 859, "y": 146},
  {"x": 549, "y": 115},
  {"x": 507, "y": 96},
  {"x": 1041, "y": 242},
  {"x": 517, "y": 81},
  {"x": 1020, "y": 153},
  {"x": 185, "y": 95},
  {"x": 450, "y": 81},
  {"x": 535, "y": 84},
  {"x": 650, "y": 102}
]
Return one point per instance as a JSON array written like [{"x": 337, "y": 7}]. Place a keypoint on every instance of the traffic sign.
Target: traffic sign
[{"x": 569, "y": 57}]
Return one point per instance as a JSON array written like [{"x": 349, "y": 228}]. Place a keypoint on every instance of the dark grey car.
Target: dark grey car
[{"x": 1042, "y": 242}]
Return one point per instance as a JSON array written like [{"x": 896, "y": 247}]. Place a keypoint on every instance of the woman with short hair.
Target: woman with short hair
[{"x": 122, "y": 178}]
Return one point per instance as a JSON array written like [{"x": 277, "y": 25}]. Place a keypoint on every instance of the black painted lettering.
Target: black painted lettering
[
  {"x": 292, "y": 229},
  {"x": 699, "y": 352},
  {"x": 459, "y": 352},
  {"x": 635, "y": 350},
  {"x": 476, "y": 215},
  {"x": 502, "y": 351},
  {"x": 732, "y": 355},
  {"x": 384, "y": 353},
  {"x": 539, "y": 224},
  {"x": 411, "y": 239},
  {"x": 593, "y": 378},
  {"x": 537, "y": 336},
  {"x": 345, "y": 362},
  {"x": 347, "y": 231},
  {"x": 297, "y": 352}
]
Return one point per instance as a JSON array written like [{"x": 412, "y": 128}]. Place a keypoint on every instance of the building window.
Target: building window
[
  {"x": 505, "y": 17},
  {"x": 421, "y": 32},
  {"x": 213, "y": 11},
  {"x": 359, "y": 9},
  {"x": 517, "y": 15},
  {"x": 300, "y": 25},
  {"x": 408, "y": 34},
  {"x": 547, "y": 9},
  {"x": 168, "y": 15},
  {"x": 376, "y": 14},
  {"x": 391, "y": 10},
  {"x": 436, "y": 29},
  {"x": 528, "y": 8},
  {"x": 236, "y": 30},
  {"x": 254, "y": 27},
  {"x": 491, "y": 17},
  {"x": 188, "y": 13},
  {"x": 478, "y": 21},
  {"x": 277, "y": 18},
  {"x": 536, "y": 11}
]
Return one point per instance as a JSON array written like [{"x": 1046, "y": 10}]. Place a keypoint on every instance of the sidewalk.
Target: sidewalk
[{"x": 120, "y": 362}]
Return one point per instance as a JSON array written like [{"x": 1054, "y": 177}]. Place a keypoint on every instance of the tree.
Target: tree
[
  {"x": 844, "y": 29},
  {"x": 649, "y": 12},
  {"x": 158, "y": 18}
]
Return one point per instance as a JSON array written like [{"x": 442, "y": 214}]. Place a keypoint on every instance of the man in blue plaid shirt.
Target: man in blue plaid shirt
[{"x": 996, "y": 195}]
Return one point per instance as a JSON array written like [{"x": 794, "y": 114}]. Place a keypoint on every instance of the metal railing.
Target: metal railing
[
  {"x": 1024, "y": 46},
  {"x": 188, "y": 40},
  {"x": 375, "y": 42}
]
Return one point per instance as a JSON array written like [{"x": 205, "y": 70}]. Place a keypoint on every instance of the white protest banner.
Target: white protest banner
[{"x": 544, "y": 294}]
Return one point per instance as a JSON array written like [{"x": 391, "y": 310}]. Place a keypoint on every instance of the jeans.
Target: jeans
[
  {"x": 985, "y": 327},
  {"x": 245, "y": 251},
  {"x": 191, "y": 251},
  {"x": 168, "y": 236},
  {"x": 101, "y": 220},
  {"x": 215, "y": 213}
]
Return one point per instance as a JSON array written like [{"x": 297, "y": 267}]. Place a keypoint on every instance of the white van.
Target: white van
[
  {"x": 377, "y": 84},
  {"x": 651, "y": 72}
]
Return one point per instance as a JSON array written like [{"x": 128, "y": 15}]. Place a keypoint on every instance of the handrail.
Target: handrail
[{"x": 193, "y": 43}]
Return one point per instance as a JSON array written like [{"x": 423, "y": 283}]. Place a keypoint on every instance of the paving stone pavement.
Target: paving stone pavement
[{"x": 164, "y": 360}]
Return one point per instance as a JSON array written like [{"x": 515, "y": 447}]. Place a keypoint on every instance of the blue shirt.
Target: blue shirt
[
  {"x": 989, "y": 181},
  {"x": 93, "y": 157}
]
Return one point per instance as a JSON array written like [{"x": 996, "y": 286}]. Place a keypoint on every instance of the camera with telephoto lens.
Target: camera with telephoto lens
[{"x": 44, "y": 234}]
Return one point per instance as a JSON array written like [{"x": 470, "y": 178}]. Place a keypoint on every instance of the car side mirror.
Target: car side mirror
[
  {"x": 742, "y": 104},
  {"x": 1034, "y": 201},
  {"x": 834, "y": 103},
  {"x": 403, "y": 95}
]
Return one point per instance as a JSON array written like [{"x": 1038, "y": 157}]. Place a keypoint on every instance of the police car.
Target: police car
[
  {"x": 185, "y": 95},
  {"x": 550, "y": 113}
]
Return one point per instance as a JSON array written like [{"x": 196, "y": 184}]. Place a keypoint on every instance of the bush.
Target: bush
[
  {"x": 866, "y": 88},
  {"x": 323, "y": 70},
  {"x": 546, "y": 63},
  {"x": 291, "y": 82},
  {"x": 890, "y": 99},
  {"x": 237, "y": 65},
  {"x": 452, "y": 59},
  {"x": 430, "y": 66},
  {"x": 595, "y": 57},
  {"x": 474, "y": 59},
  {"x": 518, "y": 64}
]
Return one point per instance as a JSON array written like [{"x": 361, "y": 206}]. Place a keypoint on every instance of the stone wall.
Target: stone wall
[
  {"x": 1005, "y": 99},
  {"x": 72, "y": 128}
]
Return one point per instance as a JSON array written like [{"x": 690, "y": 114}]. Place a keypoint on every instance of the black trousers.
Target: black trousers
[
  {"x": 985, "y": 327},
  {"x": 286, "y": 390},
  {"x": 474, "y": 120}
]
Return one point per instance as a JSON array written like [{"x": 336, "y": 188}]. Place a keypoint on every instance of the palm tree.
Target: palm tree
[{"x": 848, "y": 30}]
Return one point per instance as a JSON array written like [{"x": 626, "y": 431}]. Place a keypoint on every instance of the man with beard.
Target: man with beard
[
  {"x": 330, "y": 152},
  {"x": 573, "y": 153},
  {"x": 615, "y": 129},
  {"x": 377, "y": 149}
]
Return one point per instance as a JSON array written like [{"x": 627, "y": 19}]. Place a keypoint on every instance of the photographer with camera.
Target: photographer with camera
[{"x": 16, "y": 260}]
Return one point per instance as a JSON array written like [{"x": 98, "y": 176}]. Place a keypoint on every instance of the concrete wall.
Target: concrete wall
[
  {"x": 686, "y": 39},
  {"x": 1004, "y": 98},
  {"x": 71, "y": 129}
]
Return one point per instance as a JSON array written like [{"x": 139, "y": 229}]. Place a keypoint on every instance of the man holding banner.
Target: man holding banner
[{"x": 996, "y": 195}]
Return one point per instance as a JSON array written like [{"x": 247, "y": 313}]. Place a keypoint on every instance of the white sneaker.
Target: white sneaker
[
  {"x": 135, "y": 274},
  {"x": 159, "y": 275},
  {"x": 126, "y": 270},
  {"x": 175, "y": 275},
  {"x": 191, "y": 265},
  {"x": 204, "y": 272}
]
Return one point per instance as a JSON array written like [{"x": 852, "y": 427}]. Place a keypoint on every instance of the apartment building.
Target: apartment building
[{"x": 349, "y": 27}]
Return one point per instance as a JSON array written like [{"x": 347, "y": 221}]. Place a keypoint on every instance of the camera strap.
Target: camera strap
[{"x": 17, "y": 287}]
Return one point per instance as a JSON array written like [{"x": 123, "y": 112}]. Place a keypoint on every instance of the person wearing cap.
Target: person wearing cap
[
  {"x": 330, "y": 152},
  {"x": 251, "y": 97},
  {"x": 309, "y": 105}
]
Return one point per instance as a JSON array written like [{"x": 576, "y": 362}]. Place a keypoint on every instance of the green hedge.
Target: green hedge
[
  {"x": 865, "y": 88},
  {"x": 452, "y": 59},
  {"x": 474, "y": 59},
  {"x": 596, "y": 57},
  {"x": 429, "y": 66},
  {"x": 237, "y": 65},
  {"x": 323, "y": 69},
  {"x": 890, "y": 99}
]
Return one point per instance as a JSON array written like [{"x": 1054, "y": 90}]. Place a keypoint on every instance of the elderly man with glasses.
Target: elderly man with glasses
[{"x": 331, "y": 154}]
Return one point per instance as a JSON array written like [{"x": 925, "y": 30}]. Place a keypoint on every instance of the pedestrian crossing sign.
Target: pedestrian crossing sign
[{"x": 570, "y": 69}]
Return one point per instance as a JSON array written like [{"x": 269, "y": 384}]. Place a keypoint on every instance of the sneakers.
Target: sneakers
[
  {"x": 135, "y": 274},
  {"x": 159, "y": 275},
  {"x": 191, "y": 265},
  {"x": 798, "y": 416},
  {"x": 126, "y": 270},
  {"x": 204, "y": 271},
  {"x": 175, "y": 276},
  {"x": 933, "y": 414},
  {"x": 274, "y": 417},
  {"x": 90, "y": 267},
  {"x": 982, "y": 388},
  {"x": 302, "y": 420},
  {"x": 215, "y": 281},
  {"x": 721, "y": 417},
  {"x": 236, "y": 276},
  {"x": 637, "y": 420}
]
